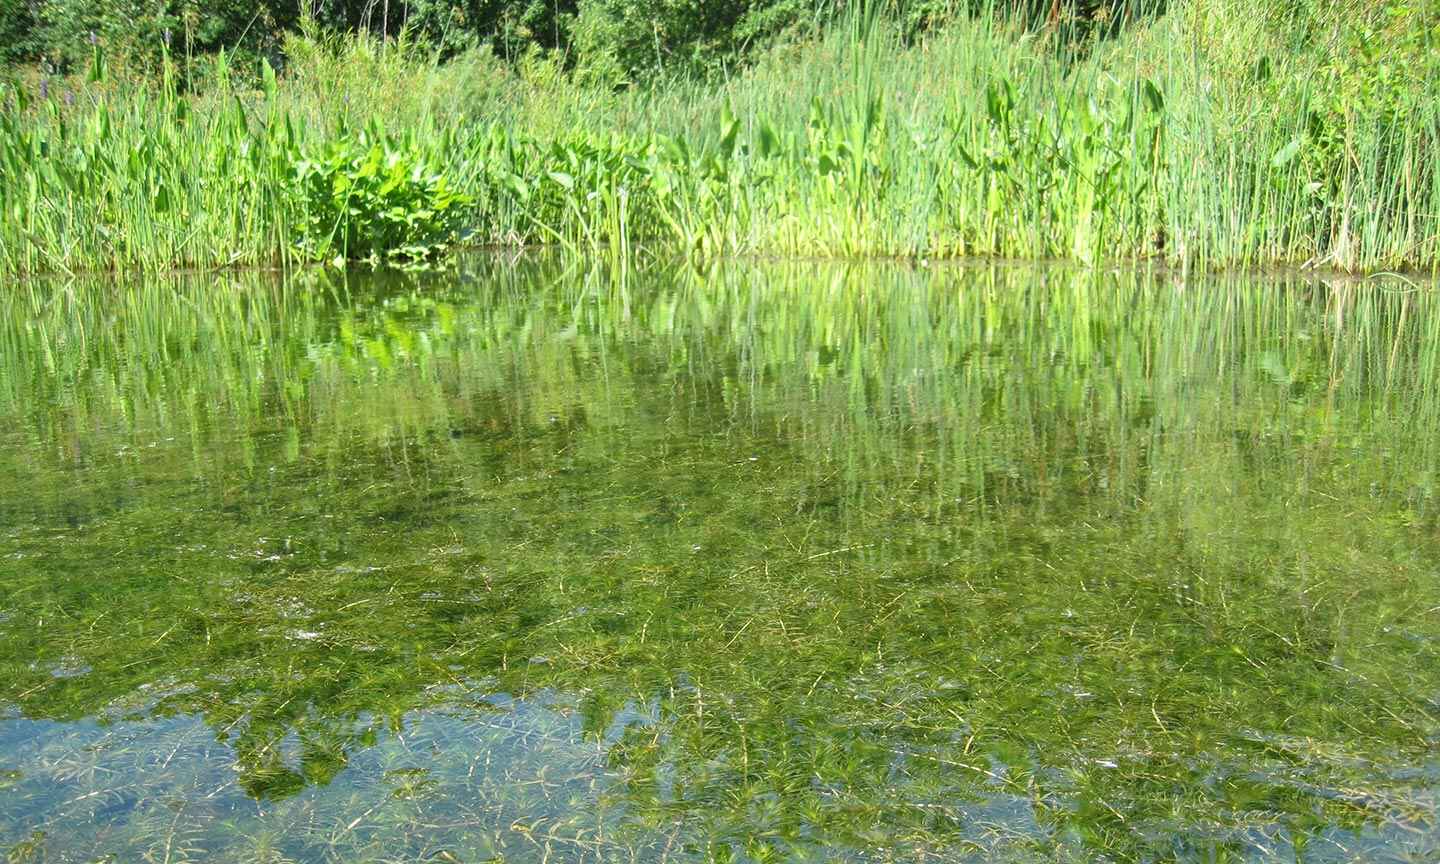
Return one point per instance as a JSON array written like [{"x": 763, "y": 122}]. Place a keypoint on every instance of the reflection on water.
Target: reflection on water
[{"x": 766, "y": 563}]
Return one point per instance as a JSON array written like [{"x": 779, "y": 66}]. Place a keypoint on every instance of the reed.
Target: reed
[{"x": 1200, "y": 138}]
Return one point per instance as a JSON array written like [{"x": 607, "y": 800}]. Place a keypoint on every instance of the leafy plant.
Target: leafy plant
[{"x": 371, "y": 197}]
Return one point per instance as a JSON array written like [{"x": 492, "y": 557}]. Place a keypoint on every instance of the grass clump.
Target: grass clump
[{"x": 1203, "y": 137}]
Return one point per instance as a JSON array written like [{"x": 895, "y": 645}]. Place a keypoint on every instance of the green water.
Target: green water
[{"x": 765, "y": 563}]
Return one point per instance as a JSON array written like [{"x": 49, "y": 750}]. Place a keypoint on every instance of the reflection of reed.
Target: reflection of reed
[{"x": 1001, "y": 366}]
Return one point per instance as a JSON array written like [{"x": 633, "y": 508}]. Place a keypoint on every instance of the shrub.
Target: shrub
[{"x": 1385, "y": 56}]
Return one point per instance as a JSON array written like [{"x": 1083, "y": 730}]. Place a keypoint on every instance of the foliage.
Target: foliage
[
  {"x": 610, "y": 41},
  {"x": 371, "y": 196},
  {"x": 1386, "y": 52},
  {"x": 978, "y": 140},
  {"x": 17, "y": 30},
  {"x": 141, "y": 34}
]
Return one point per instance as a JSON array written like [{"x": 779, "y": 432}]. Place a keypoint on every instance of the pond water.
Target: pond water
[{"x": 528, "y": 562}]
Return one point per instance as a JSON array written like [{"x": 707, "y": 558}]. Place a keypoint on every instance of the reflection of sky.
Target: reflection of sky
[
  {"x": 493, "y": 775},
  {"x": 487, "y": 776}
]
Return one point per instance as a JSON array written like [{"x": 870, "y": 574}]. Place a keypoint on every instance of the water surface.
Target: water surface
[{"x": 524, "y": 562}]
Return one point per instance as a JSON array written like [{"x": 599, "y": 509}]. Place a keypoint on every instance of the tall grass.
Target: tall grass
[{"x": 983, "y": 140}]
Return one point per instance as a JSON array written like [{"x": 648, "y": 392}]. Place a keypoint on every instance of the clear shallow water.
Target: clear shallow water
[{"x": 765, "y": 563}]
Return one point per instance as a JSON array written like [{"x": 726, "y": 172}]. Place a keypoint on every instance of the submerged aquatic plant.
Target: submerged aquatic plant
[{"x": 792, "y": 560}]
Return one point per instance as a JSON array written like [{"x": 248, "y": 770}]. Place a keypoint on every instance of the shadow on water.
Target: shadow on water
[{"x": 771, "y": 562}]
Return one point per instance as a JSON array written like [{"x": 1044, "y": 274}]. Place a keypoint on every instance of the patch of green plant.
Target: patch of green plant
[
  {"x": 1206, "y": 139},
  {"x": 374, "y": 197}
]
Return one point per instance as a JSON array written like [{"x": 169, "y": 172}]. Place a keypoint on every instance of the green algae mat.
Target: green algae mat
[{"x": 530, "y": 562}]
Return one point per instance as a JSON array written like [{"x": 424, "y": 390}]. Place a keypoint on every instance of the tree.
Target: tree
[{"x": 17, "y": 30}]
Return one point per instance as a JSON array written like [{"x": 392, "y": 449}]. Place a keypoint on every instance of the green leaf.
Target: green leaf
[
  {"x": 676, "y": 150},
  {"x": 769, "y": 141},
  {"x": 267, "y": 78},
  {"x": 1285, "y": 155},
  {"x": 1153, "y": 98},
  {"x": 97, "y": 63},
  {"x": 965, "y": 155},
  {"x": 999, "y": 101},
  {"x": 518, "y": 187},
  {"x": 731, "y": 131}
]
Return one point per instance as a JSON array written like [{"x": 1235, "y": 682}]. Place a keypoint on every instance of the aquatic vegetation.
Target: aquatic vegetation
[
  {"x": 782, "y": 561},
  {"x": 367, "y": 196},
  {"x": 135, "y": 177},
  {"x": 979, "y": 140}
]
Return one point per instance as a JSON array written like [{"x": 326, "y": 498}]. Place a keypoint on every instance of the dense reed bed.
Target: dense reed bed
[{"x": 1204, "y": 137}]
